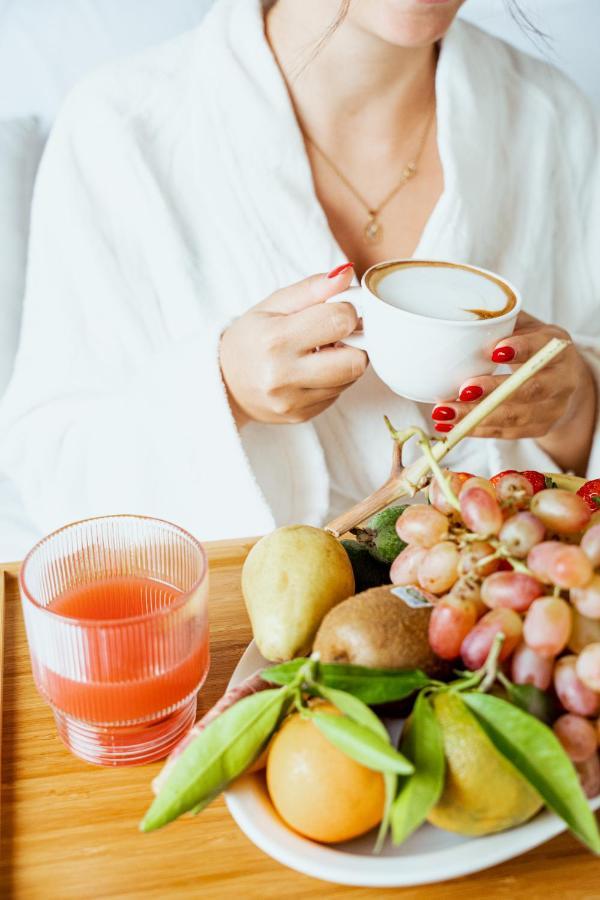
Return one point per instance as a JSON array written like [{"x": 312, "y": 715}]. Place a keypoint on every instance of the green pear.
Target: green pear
[{"x": 290, "y": 580}]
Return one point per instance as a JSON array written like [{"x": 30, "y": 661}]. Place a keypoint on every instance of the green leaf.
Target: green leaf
[
  {"x": 284, "y": 673},
  {"x": 538, "y": 755},
  {"x": 423, "y": 745},
  {"x": 355, "y": 709},
  {"x": 360, "y": 712},
  {"x": 596, "y": 500},
  {"x": 218, "y": 755},
  {"x": 530, "y": 698},
  {"x": 372, "y": 686},
  {"x": 360, "y": 743}
]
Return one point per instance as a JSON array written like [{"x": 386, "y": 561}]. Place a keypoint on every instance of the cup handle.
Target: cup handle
[{"x": 352, "y": 296}]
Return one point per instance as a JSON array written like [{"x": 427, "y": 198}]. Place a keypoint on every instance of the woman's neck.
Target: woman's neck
[{"x": 355, "y": 79}]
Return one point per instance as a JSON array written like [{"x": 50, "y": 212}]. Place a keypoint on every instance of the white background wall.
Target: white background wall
[{"x": 46, "y": 45}]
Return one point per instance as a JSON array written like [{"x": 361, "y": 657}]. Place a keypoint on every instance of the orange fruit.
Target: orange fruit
[{"x": 318, "y": 790}]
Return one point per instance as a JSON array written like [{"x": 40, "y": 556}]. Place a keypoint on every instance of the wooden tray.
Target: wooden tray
[{"x": 69, "y": 830}]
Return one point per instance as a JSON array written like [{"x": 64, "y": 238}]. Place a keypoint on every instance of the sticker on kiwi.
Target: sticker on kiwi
[{"x": 412, "y": 596}]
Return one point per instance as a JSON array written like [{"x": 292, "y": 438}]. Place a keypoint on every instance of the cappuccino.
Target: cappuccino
[{"x": 440, "y": 290}]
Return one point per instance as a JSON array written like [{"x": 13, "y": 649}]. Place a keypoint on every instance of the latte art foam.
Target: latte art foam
[{"x": 441, "y": 290}]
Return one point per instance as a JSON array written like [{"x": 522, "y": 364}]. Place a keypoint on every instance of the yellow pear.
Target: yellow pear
[
  {"x": 483, "y": 793},
  {"x": 290, "y": 580}
]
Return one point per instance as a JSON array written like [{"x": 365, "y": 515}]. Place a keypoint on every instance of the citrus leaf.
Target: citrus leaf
[
  {"x": 423, "y": 745},
  {"x": 531, "y": 699},
  {"x": 355, "y": 709},
  {"x": 360, "y": 712},
  {"x": 538, "y": 755},
  {"x": 284, "y": 673},
  {"x": 360, "y": 743},
  {"x": 372, "y": 686},
  {"x": 218, "y": 755}
]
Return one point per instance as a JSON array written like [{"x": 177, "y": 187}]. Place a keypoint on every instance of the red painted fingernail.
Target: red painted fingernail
[
  {"x": 471, "y": 392},
  {"x": 338, "y": 271},
  {"x": 444, "y": 426},
  {"x": 443, "y": 413},
  {"x": 503, "y": 354}
]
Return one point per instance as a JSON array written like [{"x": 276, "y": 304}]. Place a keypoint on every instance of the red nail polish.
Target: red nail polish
[
  {"x": 443, "y": 413},
  {"x": 471, "y": 392},
  {"x": 443, "y": 426},
  {"x": 338, "y": 271},
  {"x": 503, "y": 354}
]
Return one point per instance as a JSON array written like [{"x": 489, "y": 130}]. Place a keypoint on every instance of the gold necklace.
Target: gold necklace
[{"x": 373, "y": 230}]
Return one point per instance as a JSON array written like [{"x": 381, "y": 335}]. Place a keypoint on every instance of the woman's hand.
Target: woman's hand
[
  {"x": 268, "y": 359},
  {"x": 557, "y": 406}
]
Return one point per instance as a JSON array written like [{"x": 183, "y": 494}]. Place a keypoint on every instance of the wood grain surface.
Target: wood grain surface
[{"x": 69, "y": 830}]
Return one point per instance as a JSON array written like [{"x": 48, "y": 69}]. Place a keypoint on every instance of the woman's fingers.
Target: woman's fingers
[
  {"x": 332, "y": 367},
  {"x": 310, "y": 291},
  {"x": 526, "y": 340},
  {"x": 319, "y": 325},
  {"x": 544, "y": 384}
]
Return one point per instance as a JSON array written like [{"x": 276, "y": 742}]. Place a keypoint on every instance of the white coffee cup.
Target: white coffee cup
[{"x": 419, "y": 328}]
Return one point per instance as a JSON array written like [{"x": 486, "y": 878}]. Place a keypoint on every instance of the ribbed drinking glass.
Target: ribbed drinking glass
[{"x": 116, "y": 613}]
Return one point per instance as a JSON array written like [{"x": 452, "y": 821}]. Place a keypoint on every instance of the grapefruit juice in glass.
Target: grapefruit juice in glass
[{"x": 116, "y": 612}]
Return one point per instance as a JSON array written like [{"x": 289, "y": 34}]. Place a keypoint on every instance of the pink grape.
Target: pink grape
[
  {"x": 586, "y": 600},
  {"x": 511, "y": 590},
  {"x": 530, "y": 668},
  {"x": 436, "y": 495},
  {"x": 584, "y": 631},
  {"x": 480, "y": 511},
  {"x": 451, "y": 621},
  {"x": 589, "y": 775},
  {"x": 577, "y": 735},
  {"x": 483, "y": 483},
  {"x": 405, "y": 568},
  {"x": 569, "y": 567},
  {"x": 477, "y": 644},
  {"x": 471, "y": 556},
  {"x": 574, "y": 695},
  {"x": 548, "y": 625},
  {"x": 590, "y": 544},
  {"x": 521, "y": 532},
  {"x": 538, "y": 558},
  {"x": 438, "y": 570},
  {"x": 514, "y": 489},
  {"x": 468, "y": 588},
  {"x": 561, "y": 511},
  {"x": 588, "y": 666},
  {"x": 422, "y": 525},
  {"x": 595, "y": 518}
]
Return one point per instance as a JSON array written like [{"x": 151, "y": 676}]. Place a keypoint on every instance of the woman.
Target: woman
[{"x": 167, "y": 363}]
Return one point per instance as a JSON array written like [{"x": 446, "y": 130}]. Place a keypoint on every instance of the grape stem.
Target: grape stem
[
  {"x": 483, "y": 678},
  {"x": 491, "y": 664},
  {"x": 405, "y": 481},
  {"x": 425, "y": 443}
]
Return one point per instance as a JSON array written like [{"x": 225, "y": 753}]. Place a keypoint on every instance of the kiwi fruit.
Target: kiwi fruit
[{"x": 376, "y": 628}]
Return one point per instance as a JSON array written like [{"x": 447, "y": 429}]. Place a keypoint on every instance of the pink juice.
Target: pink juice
[{"x": 118, "y": 684}]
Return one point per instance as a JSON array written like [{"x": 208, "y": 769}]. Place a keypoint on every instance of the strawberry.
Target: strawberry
[
  {"x": 496, "y": 478},
  {"x": 590, "y": 491},
  {"x": 537, "y": 480}
]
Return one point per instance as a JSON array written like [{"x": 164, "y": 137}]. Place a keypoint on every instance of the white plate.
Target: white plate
[{"x": 430, "y": 855}]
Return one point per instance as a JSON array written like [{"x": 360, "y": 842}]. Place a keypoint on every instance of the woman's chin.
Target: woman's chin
[{"x": 409, "y": 23}]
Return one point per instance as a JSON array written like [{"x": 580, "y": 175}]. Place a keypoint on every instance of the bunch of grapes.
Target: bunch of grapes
[{"x": 511, "y": 556}]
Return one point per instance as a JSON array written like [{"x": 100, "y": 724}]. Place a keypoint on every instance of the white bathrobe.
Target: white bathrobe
[{"x": 175, "y": 193}]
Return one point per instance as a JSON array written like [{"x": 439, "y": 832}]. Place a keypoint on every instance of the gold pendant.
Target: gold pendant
[{"x": 373, "y": 230}]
